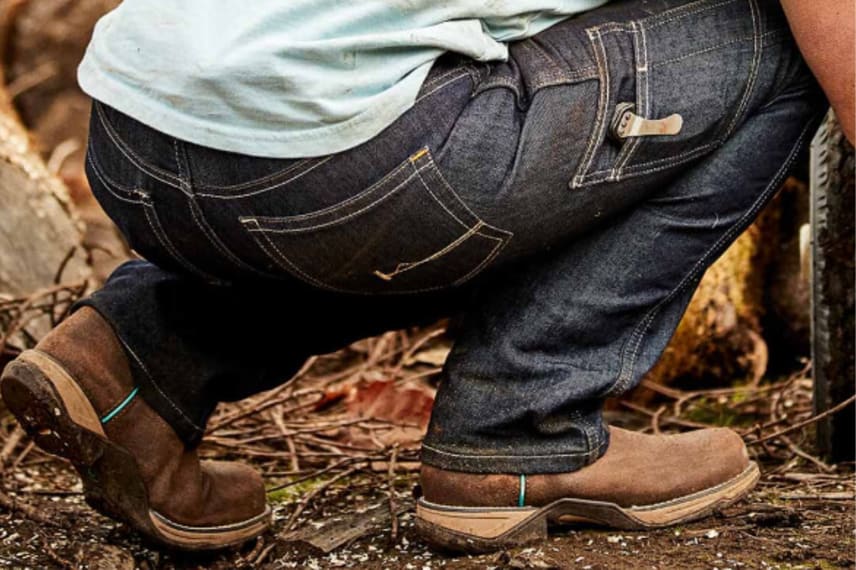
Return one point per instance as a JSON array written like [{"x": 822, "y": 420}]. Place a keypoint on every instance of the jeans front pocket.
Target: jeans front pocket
[
  {"x": 673, "y": 87},
  {"x": 407, "y": 233}
]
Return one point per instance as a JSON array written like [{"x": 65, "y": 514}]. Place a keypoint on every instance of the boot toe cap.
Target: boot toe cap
[{"x": 238, "y": 490}]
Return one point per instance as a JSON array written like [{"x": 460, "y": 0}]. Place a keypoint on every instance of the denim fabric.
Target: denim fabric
[{"x": 506, "y": 197}]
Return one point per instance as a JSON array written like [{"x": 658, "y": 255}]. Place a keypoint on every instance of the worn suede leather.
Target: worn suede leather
[
  {"x": 180, "y": 486},
  {"x": 637, "y": 469}
]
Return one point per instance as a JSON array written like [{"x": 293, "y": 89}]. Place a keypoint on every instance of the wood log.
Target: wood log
[
  {"x": 40, "y": 240},
  {"x": 40, "y": 236},
  {"x": 750, "y": 309},
  {"x": 43, "y": 44}
]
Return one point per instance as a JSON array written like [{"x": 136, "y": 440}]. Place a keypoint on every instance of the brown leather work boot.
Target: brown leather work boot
[
  {"x": 75, "y": 396},
  {"x": 641, "y": 482}
]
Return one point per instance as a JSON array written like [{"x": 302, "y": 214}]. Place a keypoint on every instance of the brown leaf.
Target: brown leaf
[{"x": 386, "y": 400}]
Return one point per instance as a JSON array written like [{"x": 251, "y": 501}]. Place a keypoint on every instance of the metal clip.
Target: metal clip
[{"x": 626, "y": 124}]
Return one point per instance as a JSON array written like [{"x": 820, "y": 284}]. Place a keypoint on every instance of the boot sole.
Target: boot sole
[
  {"x": 485, "y": 529},
  {"x": 58, "y": 416}
]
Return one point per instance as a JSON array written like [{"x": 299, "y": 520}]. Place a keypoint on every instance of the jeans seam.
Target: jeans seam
[
  {"x": 113, "y": 188},
  {"x": 555, "y": 70},
  {"x": 684, "y": 11},
  {"x": 701, "y": 51},
  {"x": 334, "y": 222},
  {"x": 160, "y": 391},
  {"x": 756, "y": 67},
  {"x": 640, "y": 48},
  {"x": 197, "y": 215},
  {"x": 500, "y": 83},
  {"x": 255, "y": 191},
  {"x": 433, "y": 84},
  {"x": 254, "y": 183},
  {"x": 544, "y": 82},
  {"x": 438, "y": 87},
  {"x": 625, "y": 374},
  {"x": 183, "y": 180},
  {"x": 155, "y": 172},
  {"x": 430, "y": 83},
  {"x": 662, "y": 164},
  {"x": 166, "y": 243},
  {"x": 281, "y": 258},
  {"x": 186, "y": 172},
  {"x": 603, "y": 100}
]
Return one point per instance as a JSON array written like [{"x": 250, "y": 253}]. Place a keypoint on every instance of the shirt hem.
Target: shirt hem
[{"x": 318, "y": 142}]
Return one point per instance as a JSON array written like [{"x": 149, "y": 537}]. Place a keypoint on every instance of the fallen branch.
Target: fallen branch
[{"x": 807, "y": 422}]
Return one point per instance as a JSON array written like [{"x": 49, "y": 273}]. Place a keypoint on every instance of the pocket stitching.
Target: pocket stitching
[
  {"x": 330, "y": 209},
  {"x": 501, "y": 243},
  {"x": 254, "y": 190},
  {"x": 640, "y": 53},
  {"x": 335, "y": 222},
  {"x": 405, "y": 266},
  {"x": 457, "y": 198},
  {"x": 254, "y": 227},
  {"x": 596, "y": 137}
]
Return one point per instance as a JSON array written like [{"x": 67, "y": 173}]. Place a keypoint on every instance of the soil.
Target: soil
[{"x": 790, "y": 521}]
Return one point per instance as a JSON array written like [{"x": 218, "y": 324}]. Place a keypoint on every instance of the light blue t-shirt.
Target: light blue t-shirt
[{"x": 291, "y": 78}]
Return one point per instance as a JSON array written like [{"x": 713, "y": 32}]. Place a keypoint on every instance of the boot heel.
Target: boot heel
[
  {"x": 52, "y": 408},
  {"x": 479, "y": 529}
]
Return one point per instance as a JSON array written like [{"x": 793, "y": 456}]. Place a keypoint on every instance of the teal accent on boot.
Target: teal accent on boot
[
  {"x": 122, "y": 405},
  {"x": 521, "y": 499}
]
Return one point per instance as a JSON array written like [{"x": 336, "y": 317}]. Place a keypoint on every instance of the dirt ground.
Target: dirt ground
[
  {"x": 338, "y": 448},
  {"x": 795, "y": 520}
]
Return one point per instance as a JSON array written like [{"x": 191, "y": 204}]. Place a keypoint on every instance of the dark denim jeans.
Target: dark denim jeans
[{"x": 512, "y": 195}]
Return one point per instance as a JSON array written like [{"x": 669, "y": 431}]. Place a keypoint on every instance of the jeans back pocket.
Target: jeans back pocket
[{"x": 407, "y": 233}]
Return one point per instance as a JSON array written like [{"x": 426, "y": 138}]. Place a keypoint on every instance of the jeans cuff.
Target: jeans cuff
[{"x": 499, "y": 460}]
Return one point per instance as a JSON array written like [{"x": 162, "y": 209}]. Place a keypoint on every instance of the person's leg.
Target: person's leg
[
  {"x": 124, "y": 386},
  {"x": 211, "y": 316},
  {"x": 192, "y": 345},
  {"x": 546, "y": 344},
  {"x": 556, "y": 335},
  {"x": 551, "y": 337}
]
